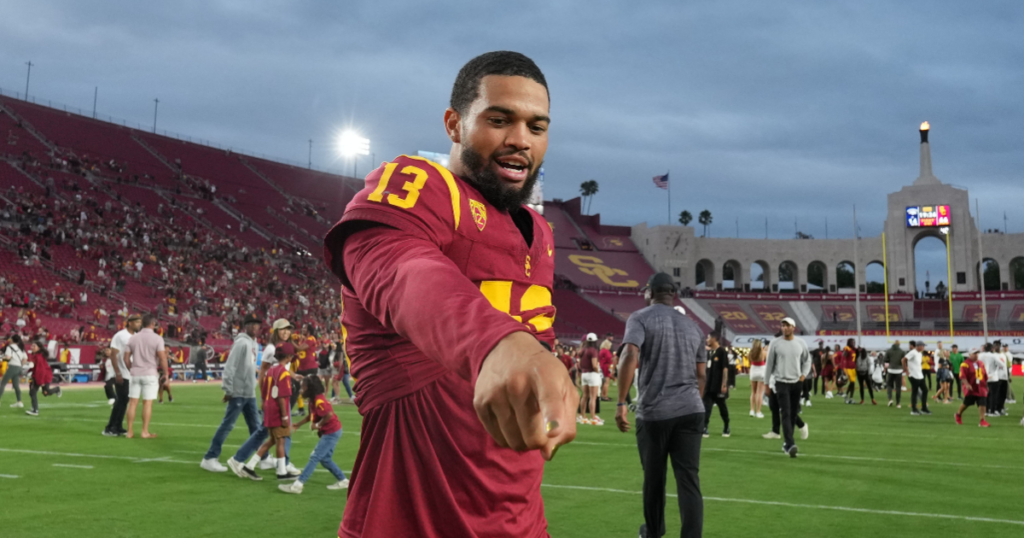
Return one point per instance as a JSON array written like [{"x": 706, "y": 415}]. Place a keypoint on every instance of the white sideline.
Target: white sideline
[
  {"x": 814, "y": 506},
  {"x": 8, "y": 476},
  {"x": 212, "y": 426},
  {"x": 828, "y": 456},
  {"x": 72, "y": 466}
]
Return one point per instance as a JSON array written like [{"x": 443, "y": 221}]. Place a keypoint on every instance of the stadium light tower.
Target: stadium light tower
[{"x": 351, "y": 145}]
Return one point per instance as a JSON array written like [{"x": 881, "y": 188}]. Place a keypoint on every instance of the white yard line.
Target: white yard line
[
  {"x": 828, "y": 456},
  {"x": 8, "y": 476},
  {"x": 130, "y": 459},
  {"x": 72, "y": 466},
  {"x": 810, "y": 506},
  {"x": 211, "y": 426}
]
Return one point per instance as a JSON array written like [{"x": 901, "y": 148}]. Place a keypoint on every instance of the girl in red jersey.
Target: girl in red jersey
[
  {"x": 328, "y": 427},
  {"x": 42, "y": 376},
  {"x": 828, "y": 373}
]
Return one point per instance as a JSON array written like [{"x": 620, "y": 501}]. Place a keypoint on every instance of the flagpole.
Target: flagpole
[{"x": 669, "y": 181}]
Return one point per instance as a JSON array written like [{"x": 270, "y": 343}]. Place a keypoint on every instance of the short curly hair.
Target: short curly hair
[{"x": 501, "y": 62}]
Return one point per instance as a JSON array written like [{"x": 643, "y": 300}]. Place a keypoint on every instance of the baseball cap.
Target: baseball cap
[
  {"x": 251, "y": 318},
  {"x": 284, "y": 350},
  {"x": 281, "y": 324},
  {"x": 680, "y": 309},
  {"x": 591, "y": 337},
  {"x": 660, "y": 280},
  {"x": 789, "y": 321},
  {"x": 975, "y": 350}
]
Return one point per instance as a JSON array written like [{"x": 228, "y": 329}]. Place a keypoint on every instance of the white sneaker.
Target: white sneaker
[
  {"x": 597, "y": 422},
  {"x": 236, "y": 467},
  {"x": 771, "y": 435},
  {"x": 293, "y": 488},
  {"x": 213, "y": 466},
  {"x": 759, "y": 415},
  {"x": 292, "y": 469},
  {"x": 751, "y": 412},
  {"x": 269, "y": 463},
  {"x": 17, "y": 405},
  {"x": 804, "y": 432},
  {"x": 828, "y": 395},
  {"x": 342, "y": 484},
  {"x": 809, "y": 404},
  {"x": 111, "y": 401},
  {"x": 1022, "y": 422},
  {"x": 803, "y": 402},
  {"x": 32, "y": 413}
]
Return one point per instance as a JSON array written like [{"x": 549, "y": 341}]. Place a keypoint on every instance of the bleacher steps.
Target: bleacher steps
[{"x": 804, "y": 316}]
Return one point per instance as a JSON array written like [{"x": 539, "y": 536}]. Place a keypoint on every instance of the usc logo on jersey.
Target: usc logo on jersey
[{"x": 479, "y": 212}]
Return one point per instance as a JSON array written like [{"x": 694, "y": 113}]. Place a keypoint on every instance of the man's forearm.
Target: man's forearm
[
  {"x": 627, "y": 369},
  {"x": 404, "y": 282}
]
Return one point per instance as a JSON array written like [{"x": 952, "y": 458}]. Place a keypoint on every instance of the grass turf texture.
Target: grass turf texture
[{"x": 869, "y": 459}]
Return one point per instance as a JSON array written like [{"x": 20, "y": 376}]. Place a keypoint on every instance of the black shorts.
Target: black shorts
[{"x": 972, "y": 399}]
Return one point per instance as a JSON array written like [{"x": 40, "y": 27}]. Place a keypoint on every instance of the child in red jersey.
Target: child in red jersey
[
  {"x": 42, "y": 376},
  {"x": 328, "y": 427},
  {"x": 276, "y": 390},
  {"x": 974, "y": 379}
]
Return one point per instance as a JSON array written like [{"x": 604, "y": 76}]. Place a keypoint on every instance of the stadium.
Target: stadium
[{"x": 103, "y": 224}]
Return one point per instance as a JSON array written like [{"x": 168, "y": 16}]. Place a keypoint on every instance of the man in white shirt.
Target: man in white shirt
[
  {"x": 918, "y": 388},
  {"x": 989, "y": 358},
  {"x": 122, "y": 377},
  {"x": 1009, "y": 397}
]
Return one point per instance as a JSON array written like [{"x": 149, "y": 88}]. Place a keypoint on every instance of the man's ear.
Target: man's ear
[{"x": 453, "y": 124}]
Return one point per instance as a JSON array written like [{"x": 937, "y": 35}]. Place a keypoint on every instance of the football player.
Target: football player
[{"x": 447, "y": 281}]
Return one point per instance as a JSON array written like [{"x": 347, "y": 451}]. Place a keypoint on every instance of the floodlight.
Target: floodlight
[{"x": 350, "y": 144}]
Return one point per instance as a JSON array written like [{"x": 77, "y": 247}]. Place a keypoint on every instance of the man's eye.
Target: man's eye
[
  {"x": 538, "y": 129},
  {"x": 498, "y": 121}
]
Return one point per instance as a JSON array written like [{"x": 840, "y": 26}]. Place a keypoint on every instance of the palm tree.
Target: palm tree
[
  {"x": 685, "y": 217},
  {"x": 588, "y": 189},
  {"x": 705, "y": 220}
]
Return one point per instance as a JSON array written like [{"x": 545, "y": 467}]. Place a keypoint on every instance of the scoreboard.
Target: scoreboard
[{"x": 928, "y": 216}]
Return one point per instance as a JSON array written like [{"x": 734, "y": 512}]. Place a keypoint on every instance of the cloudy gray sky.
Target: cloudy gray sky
[{"x": 759, "y": 109}]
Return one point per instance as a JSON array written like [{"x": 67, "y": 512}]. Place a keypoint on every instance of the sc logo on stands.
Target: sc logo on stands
[{"x": 592, "y": 265}]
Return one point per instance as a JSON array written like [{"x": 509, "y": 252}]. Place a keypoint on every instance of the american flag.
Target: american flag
[{"x": 661, "y": 181}]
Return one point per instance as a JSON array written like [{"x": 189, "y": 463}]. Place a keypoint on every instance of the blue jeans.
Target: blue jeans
[
  {"x": 345, "y": 380},
  {"x": 322, "y": 454},
  {"x": 253, "y": 443},
  {"x": 245, "y": 406}
]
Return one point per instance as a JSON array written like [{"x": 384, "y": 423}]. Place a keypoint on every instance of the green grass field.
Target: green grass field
[{"x": 864, "y": 471}]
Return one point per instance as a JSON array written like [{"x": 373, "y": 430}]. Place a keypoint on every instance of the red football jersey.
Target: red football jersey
[
  {"x": 323, "y": 413},
  {"x": 278, "y": 377},
  {"x": 426, "y": 297},
  {"x": 41, "y": 371},
  {"x": 307, "y": 358},
  {"x": 974, "y": 377}
]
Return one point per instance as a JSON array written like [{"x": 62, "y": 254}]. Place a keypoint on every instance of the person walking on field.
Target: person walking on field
[
  {"x": 669, "y": 411},
  {"x": 42, "y": 376},
  {"x": 975, "y": 383},
  {"x": 15, "y": 357},
  {"x": 122, "y": 376},
  {"x": 790, "y": 362},
  {"x": 863, "y": 375},
  {"x": 590, "y": 366},
  {"x": 716, "y": 390},
  {"x": 894, "y": 373},
  {"x": 955, "y": 360},
  {"x": 239, "y": 386},
  {"x": 912, "y": 366},
  {"x": 848, "y": 363},
  {"x": 145, "y": 353},
  {"x": 757, "y": 356}
]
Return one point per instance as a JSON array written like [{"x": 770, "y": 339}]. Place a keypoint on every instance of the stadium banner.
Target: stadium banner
[
  {"x": 990, "y": 295},
  {"x": 735, "y": 318},
  {"x": 838, "y": 297},
  {"x": 1018, "y": 313},
  {"x": 878, "y": 342}
]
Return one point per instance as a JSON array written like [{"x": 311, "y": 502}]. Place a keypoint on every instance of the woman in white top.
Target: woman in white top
[{"x": 15, "y": 357}]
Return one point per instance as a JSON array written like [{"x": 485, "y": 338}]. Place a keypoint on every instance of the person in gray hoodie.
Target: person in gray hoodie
[
  {"x": 790, "y": 362},
  {"x": 239, "y": 385}
]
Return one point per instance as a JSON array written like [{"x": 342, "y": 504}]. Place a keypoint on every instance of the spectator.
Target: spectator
[
  {"x": 912, "y": 367},
  {"x": 894, "y": 372},
  {"x": 591, "y": 368},
  {"x": 42, "y": 376},
  {"x": 863, "y": 365},
  {"x": 239, "y": 386},
  {"x": 606, "y": 360},
  {"x": 716, "y": 390},
  {"x": 669, "y": 413},
  {"x": 198, "y": 357},
  {"x": 757, "y": 356},
  {"x": 145, "y": 353}
]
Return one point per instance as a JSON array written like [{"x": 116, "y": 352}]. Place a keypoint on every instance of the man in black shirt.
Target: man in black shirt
[
  {"x": 716, "y": 390},
  {"x": 816, "y": 357}
]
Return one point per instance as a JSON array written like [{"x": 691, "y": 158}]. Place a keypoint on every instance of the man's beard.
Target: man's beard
[{"x": 491, "y": 187}]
